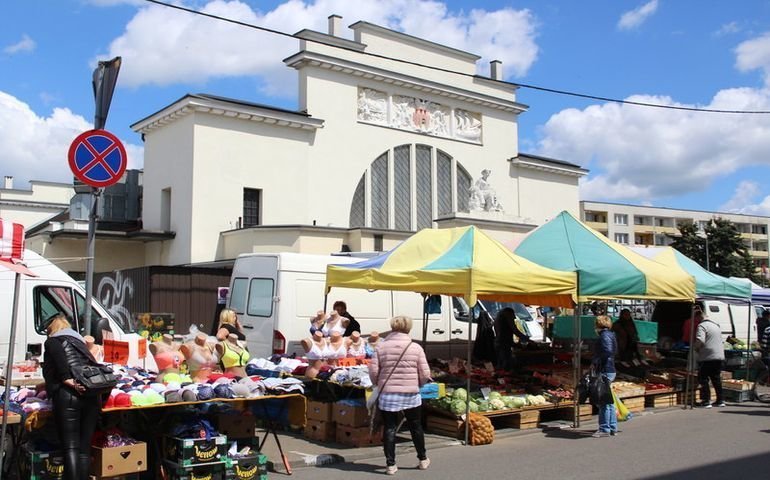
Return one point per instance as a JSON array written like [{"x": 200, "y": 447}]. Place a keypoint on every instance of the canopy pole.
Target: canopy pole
[
  {"x": 9, "y": 370},
  {"x": 425, "y": 298},
  {"x": 468, "y": 375},
  {"x": 689, "y": 386},
  {"x": 326, "y": 300},
  {"x": 748, "y": 342},
  {"x": 576, "y": 363}
]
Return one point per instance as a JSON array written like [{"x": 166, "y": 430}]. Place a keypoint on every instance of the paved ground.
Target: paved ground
[{"x": 731, "y": 442}]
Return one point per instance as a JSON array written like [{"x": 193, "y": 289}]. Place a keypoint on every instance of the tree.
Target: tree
[
  {"x": 690, "y": 244},
  {"x": 727, "y": 254}
]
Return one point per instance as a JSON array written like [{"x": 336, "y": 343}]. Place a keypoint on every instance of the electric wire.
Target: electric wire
[{"x": 454, "y": 72}]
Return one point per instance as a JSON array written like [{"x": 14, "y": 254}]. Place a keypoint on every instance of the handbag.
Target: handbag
[
  {"x": 372, "y": 403},
  {"x": 95, "y": 377}
]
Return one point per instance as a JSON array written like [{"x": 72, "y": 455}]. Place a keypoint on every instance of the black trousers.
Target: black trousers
[
  {"x": 75, "y": 418},
  {"x": 710, "y": 370},
  {"x": 414, "y": 422}
]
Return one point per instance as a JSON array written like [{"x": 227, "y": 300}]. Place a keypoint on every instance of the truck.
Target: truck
[
  {"x": 276, "y": 294},
  {"x": 41, "y": 297}
]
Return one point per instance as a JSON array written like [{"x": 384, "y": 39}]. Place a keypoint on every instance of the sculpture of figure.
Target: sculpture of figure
[{"x": 483, "y": 196}]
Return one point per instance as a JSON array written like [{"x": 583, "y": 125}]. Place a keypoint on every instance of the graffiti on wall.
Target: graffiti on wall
[{"x": 114, "y": 294}]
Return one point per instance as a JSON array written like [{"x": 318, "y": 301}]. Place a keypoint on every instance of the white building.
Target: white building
[
  {"x": 377, "y": 150},
  {"x": 39, "y": 203},
  {"x": 640, "y": 225}
]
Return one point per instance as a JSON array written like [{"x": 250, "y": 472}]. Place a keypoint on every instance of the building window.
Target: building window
[
  {"x": 251, "y": 207},
  {"x": 165, "y": 209},
  {"x": 417, "y": 192},
  {"x": 402, "y": 188},
  {"x": 424, "y": 187},
  {"x": 380, "y": 192},
  {"x": 621, "y": 219},
  {"x": 621, "y": 238},
  {"x": 358, "y": 206},
  {"x": 378, "y": 243}
]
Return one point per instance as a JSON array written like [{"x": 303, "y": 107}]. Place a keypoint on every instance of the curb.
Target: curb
[{"x": 435, "y": 442}]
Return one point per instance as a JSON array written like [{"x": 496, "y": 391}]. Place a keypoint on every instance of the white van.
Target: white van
[
  {"x": 51, "y": 292},
  {"x": 734, "y": 319},
  {"x": 276, "y": 294}
]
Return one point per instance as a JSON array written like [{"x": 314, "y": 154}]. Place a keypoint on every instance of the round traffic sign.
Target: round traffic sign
[{"x": 97, "y": 158}]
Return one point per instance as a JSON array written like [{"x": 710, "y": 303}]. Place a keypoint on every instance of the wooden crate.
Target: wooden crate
[
  {"x": 448, "y": 427},
  {"x": 524, "y": 420},
  {"x": 662, "y": 400},
  {"x": 682, "y": 396},
  {"x": 567, "y": 412}
]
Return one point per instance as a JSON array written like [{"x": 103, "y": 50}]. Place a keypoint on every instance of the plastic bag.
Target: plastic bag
[
  {"x": 600, "y": 390},
  {"x": 620, "y": 409}
]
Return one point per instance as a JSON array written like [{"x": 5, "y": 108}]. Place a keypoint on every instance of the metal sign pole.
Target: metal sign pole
[
  {"x": 9, "y": 370},
  {"x": 104, "y": 79}
]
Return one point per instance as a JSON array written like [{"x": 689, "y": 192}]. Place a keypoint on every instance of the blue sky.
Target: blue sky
[{"x": 684, "y": 52}]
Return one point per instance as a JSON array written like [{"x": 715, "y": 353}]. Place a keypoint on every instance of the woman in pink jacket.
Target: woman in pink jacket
[{"x": 399, "y": 368}]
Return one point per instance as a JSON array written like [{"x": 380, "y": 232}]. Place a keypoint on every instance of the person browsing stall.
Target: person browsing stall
[
  {"x": 711, "y": 354},
  {"x": 399, "y": 368},
  {"x": 74, "y": 413},
  {"x": 605, "y": 348}
]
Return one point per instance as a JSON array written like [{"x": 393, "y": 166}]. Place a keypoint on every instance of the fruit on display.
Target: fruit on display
[
  {"x": 481, "y": 430},
  {"x": 558, "y": 394}
]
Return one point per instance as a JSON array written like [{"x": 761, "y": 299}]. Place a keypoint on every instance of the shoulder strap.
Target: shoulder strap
[{"x": 394, "y": 365}]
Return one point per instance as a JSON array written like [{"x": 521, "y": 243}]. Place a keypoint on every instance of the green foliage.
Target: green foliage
[{"x": 721, "y": 249}]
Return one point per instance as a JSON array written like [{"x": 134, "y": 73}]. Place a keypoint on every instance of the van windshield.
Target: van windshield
[{"x": 492, "y": 307}]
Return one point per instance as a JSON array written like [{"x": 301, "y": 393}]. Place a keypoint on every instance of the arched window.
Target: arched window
[{"x": 406, "y": 188}]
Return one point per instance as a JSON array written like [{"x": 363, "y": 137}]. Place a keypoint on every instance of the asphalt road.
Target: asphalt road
[{"x": 717, "y": 443}]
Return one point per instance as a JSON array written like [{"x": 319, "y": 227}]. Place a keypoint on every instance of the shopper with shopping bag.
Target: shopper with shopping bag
[{"x": 604, "y": 365}]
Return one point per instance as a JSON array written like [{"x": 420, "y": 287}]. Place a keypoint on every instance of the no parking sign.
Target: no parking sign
[{"x": 97, "y": 158}]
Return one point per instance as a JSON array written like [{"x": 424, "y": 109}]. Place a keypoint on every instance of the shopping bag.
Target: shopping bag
[
  {"x": 600, "y": 390},
  {"x": 620, "y": 409}
]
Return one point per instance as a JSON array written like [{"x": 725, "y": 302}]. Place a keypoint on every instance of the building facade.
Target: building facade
[
  {"x": 31, "y": 207},
  {"x": 640, "y": 225},
  {"x": 377, "y": 149}
]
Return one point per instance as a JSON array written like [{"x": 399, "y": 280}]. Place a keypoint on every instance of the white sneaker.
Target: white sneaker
[
  {"x": 424, "y": 464},
  {"x": 391, "y": 470}
]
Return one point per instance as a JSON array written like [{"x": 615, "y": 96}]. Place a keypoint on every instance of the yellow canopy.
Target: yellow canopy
[{"x": 462, "y": 262}]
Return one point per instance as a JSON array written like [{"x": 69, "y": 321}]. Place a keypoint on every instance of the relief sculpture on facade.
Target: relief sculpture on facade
[
  {"x": 467, "y": 125},
  {"x": 372, "y": 106},
  {"x": 417, "y": 115},
  {"x": 482, "y": 196}
]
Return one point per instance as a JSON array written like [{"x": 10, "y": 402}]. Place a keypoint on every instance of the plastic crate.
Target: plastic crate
[{"x": 737, "y": 395}]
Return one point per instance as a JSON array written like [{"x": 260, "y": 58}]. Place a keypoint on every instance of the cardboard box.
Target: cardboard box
[
  {"x": 350, "y": 416},
  {"x": 319, "y": 411},
  {"x": 210, "y": 471},
  {"x": 43, "y": 465},
  {"x": 358, "y": 436},
  {"x": 195, "y": 451},
  {"x": 116, "y": 461},
  {"x": 236, "y": 426},
  {"x": 320, "y": 431},
  {"x": 250, "y": 467}
]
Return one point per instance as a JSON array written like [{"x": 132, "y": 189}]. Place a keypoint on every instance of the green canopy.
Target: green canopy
[
  {"x": 606, "y": 270},
  {"x": 707, "y": 284}
]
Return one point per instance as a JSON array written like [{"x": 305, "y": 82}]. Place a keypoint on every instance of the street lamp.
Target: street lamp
[{"x": 702, "y": 233}]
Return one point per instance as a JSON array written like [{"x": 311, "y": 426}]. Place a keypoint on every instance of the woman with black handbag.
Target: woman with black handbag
[
  {"x": 75, "y": 409},
  {"x": 604, "y": 364}
]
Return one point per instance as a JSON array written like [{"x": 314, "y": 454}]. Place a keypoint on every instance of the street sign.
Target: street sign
[{"x": 97, "y": 158}]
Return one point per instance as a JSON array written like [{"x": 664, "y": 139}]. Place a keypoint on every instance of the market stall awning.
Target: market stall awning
[
  {"x": 707, "y": 284},
  {"x": 461, "y": 262},
  {"x": 605, "y": 269}
]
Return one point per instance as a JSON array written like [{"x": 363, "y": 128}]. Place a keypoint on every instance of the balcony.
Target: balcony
[
  {"x": 754, "y": 236},
  {"x": 601, "y": 226},
  {"x": 758, "y": 253}
]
